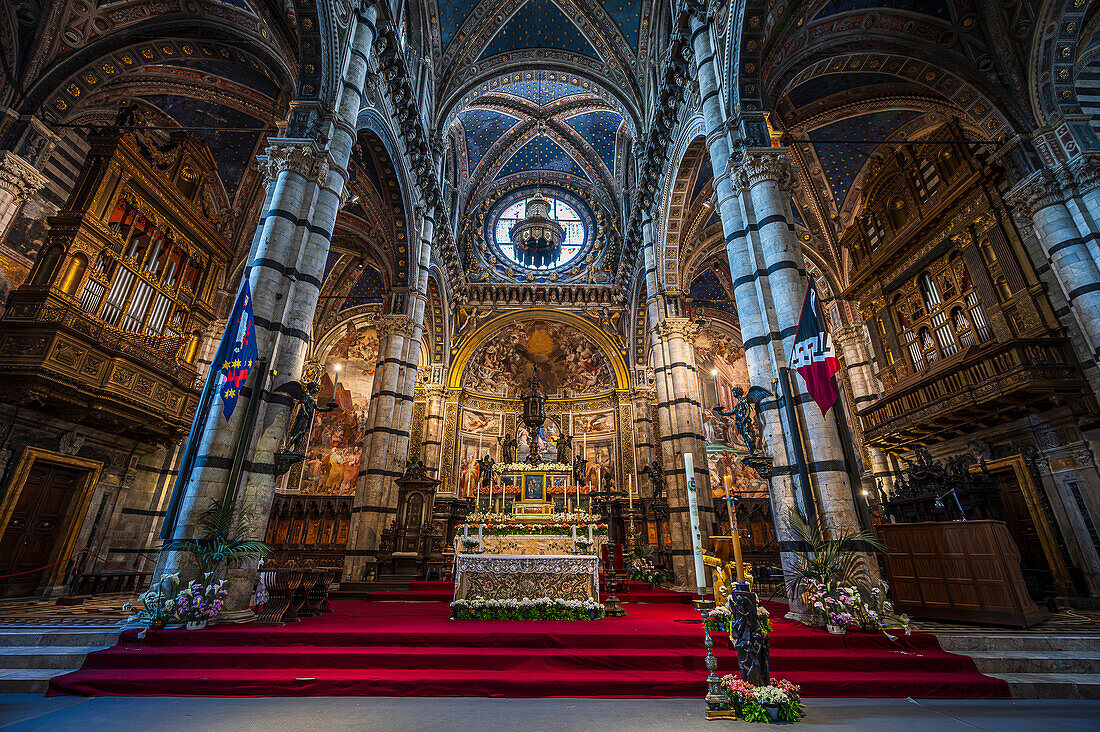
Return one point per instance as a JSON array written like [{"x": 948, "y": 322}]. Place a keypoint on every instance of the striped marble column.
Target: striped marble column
[
  {"x": 851, "y": 345},
  {"x": 759, "y": 337},
  {"x": 1039, "y": 200},
  {"x": 432, "y": 443},
  {"x": 285, "y": 267},
  {"x": 371, "y": 509},
  {"x": 1085, "y": 169}
]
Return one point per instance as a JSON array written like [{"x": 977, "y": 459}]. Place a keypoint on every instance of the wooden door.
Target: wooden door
[
  {"x": 34, "y": 527},
  {"x": 1033, "y": 560}
]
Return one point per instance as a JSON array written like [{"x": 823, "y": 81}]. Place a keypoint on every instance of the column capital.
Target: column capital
[
  {"x": 1086, "y": 171},
  {"x": 296, "y": 155},
  {"x": 18, "y": 177},
  {"x": 757, "y": 165},
  {"x": 643, "y": 394},
  {"x": 435, "y": 391},
  {"x": 702, "y": 10},
  {"x": 1040, "y": 190},
  {"x": 390, "y": 325},
  {"x": 677, "y": 328}
]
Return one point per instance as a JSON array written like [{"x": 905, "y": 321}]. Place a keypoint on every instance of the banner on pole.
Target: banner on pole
[
  {"x": 238, "y": 351},
  {"x": 813, "y": 356}
]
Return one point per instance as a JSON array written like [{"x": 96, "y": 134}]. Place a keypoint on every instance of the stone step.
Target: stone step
[
  {"x": 64, "y": 636},
  {"x": 1031, "y": 662},
  {"x": 45, "y": 657},
  {"x": 1052, "y": 686},
  {"x": 966, "y": 642},
  {"x": 28, "y": 680}
]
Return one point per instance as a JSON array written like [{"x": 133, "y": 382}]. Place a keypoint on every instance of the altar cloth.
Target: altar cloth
[{"x": 514, "y": 577}]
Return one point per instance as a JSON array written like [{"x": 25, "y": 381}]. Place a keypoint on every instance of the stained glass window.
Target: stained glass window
[{"x": 560, "y": 211}]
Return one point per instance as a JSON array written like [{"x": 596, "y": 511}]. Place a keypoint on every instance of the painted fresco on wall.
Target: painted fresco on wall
[
  {"x": 477, "y": 438},
  {"x": 335, "y": 444},
  {"x": 564, "y": 359},
  {"x": 720, "y": 365}
]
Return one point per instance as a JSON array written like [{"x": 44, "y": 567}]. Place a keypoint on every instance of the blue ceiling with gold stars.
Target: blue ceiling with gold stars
[
  {"x": 599, "y": 128},
  {"x": 483, "y": 128},
  {"x": 233, "y": 150},
  {"x": 823, "y": 86},
  {"x": 540, "y": 90},
  {"x": 541, "y": 153},
  {"x": 937, "y": 8},
  {"x": 841, "y": 161},
  {"x": 368, "y": 288},
  {"x": 539, "y": 24}
]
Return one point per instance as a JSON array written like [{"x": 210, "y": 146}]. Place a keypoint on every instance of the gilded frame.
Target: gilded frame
[{"x": 74, "y": 513}]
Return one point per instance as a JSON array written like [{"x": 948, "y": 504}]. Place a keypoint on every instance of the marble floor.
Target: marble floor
[{"x": 333, "y": 714}]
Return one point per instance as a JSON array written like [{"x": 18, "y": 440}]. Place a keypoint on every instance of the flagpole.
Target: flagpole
[
  {"x": 809, "y": 502},
  {"x": 198, "y": 429},
  {"x": 245, "y": 434}
]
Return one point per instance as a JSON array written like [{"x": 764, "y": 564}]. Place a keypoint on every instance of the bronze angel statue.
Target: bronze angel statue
[
  {"x": 307, "y": 408},
  {"x": 742, "y": 414}
]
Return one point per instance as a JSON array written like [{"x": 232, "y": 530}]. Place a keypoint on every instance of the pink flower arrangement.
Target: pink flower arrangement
[{"x": 198, "y": 602}]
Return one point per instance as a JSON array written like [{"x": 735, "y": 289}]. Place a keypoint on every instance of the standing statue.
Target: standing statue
[
  {"x": 564, "y": 443},
  {"x": 508, "y": 445},
  {"x": 579, "y": 466},
  {"x": 486, "y": 464},
  {"x": 753, "y": 647},
  {"x": 656, "y": 475},
  {"x": 743, "y": 416},
  {"x": 307, "y": 408}
]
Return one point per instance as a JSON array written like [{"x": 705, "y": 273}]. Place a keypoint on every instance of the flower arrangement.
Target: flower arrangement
[
  {"x": 576, "y": 517},
  {"x": 529, "y": 468},
  {"x": 641, "y": 567},
  {"x": 541, "y": 608},
  {"x": 539, "y": 529},
  {"x": 158, "y": 604},
  {"x": 832, "y": 605},
  {"x": 583, "y": 544},
  {"x": 199, "y": 602},
  {"x": 848, "y": 606},
  {"x": 720, "y": 619},
  {"x": 779, "y": 701},
  {"x": 470, "y": 544},
  {"x": 764, "y": 618}
]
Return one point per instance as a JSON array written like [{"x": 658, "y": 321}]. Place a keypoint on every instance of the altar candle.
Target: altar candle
[
  {"x": 590, "y": 534},
  {"x": 465, "y": 531},
  {"x": 479, "y": 526},
  {"x": 693, "y": 515}
]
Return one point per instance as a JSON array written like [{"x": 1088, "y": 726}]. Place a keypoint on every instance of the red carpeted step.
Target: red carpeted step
[
  {"x": 409, "y": 596},
  {"x": 413, "y": 649}
]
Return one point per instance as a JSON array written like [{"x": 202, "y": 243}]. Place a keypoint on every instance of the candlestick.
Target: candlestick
[
  {"x": 479, "y": 527},
  {"x": 630, "y": 490},
  {"x": 590, "y": 539}
]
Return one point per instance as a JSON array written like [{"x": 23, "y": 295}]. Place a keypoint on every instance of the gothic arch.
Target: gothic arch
[{"x": 470, "y": 344}]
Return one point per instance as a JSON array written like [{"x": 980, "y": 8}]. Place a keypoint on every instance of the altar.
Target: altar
[{"x": 515, "y": 576}]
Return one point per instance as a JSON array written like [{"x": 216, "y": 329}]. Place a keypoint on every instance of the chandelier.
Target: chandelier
[{"x": 537, "y": 239}]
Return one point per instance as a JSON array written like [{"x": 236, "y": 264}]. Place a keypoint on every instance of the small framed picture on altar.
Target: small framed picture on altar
[
  {"x": 559, "y": 485},
  {"x": 534, "y": 488}
]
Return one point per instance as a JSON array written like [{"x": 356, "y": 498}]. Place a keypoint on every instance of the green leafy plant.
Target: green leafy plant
[
  {"x": 219, "y": 539},
  {"x": 158, "y": 604},
  {"x": 835, "y": 557}
]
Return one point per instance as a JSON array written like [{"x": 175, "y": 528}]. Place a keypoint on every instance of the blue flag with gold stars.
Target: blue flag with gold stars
[{"x": 238, "y": 353}]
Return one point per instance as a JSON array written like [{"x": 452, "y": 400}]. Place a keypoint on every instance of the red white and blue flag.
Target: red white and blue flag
[
  {"x": 237, "y": 353},
  {"x": 812, "y": 356}
]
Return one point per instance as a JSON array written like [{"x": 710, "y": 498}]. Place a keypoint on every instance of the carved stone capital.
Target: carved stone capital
[
  {"x": 677, "y": 328},
  {"x": 765, "y": 164},
  {"x": 1039, "y": 190},
  {"x": 301, "y": 156},
  {"x": 1086, "y": 172},
  {"x": 18, "y": 177},
  {"x": 394, "y": 325},
  {"x": 435, "y": 391}
]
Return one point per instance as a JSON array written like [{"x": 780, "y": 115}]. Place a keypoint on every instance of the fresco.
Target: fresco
[
  {"x": 477, "y": 437},
  {"x": 565, "y": 361},
  {"x": 720, "y": 365},
  {"x": 335, "y": 444}
]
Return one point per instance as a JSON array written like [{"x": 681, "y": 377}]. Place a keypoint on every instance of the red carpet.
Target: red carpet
[{"x": 412, "y": 649}]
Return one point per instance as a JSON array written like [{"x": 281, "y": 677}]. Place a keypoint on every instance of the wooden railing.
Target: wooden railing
[{"x": 970, "y": 378}]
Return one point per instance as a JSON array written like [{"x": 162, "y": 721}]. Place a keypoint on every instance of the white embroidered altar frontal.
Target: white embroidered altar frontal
[{"x": 514, "y": 577}]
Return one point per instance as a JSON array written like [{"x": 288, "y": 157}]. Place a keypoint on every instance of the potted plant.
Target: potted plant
[
  {"x": 218, "y": 540},
  {"x": 158, "y": 604},
  {"x": 470, "y": 545},
  {"x": 584, "y": 546},
  {"x": 771, "y": 698}
]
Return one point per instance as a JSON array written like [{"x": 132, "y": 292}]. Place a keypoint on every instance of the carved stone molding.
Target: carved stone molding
[
  {"x": 677, "y": 328},
  {"x": 1086, "y": 172},
  {"x": 435, "y": 391},
  {"x": 765, "y": 164},
  {"x": 1041, "y": 189},
  {"x": 300, "y": 156},
  {"x": 18, "y": 177},
  {"x": 394, "y": 325}
]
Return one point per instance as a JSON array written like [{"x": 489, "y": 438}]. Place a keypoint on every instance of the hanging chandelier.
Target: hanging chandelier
[{"x": 537, "y": 239}]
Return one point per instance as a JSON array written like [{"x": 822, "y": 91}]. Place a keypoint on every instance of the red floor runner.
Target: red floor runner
[{"x": 412, "y": 649}]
